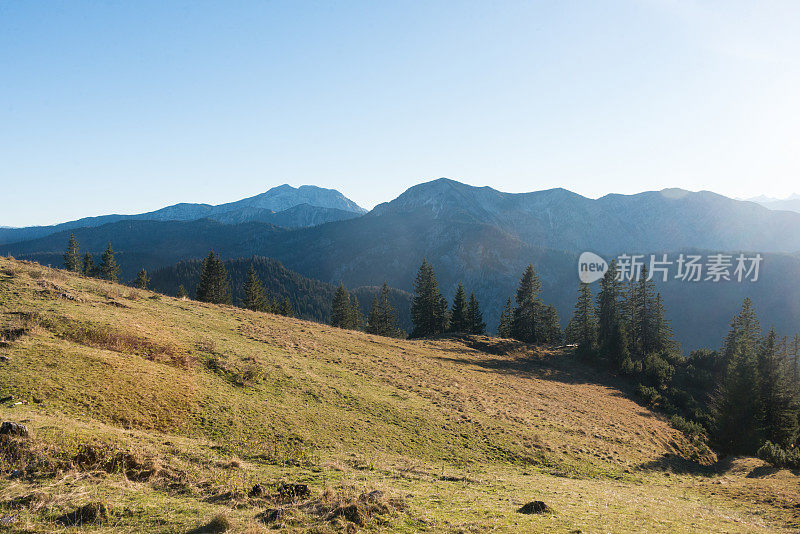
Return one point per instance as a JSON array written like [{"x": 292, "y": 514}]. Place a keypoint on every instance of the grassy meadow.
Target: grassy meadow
[{"x": 148, "y": 413}]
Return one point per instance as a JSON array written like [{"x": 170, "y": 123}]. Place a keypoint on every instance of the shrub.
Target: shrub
[
  {"x": 778, "y": 456},
  {"x": 692, "y": 430},
  {"x": 651, "y": 396}
]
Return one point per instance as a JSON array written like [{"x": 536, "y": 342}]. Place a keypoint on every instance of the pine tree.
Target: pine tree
[
  {"x": 254, "y": 297},
  {"x": 611, "y": 331},
  {"x": 382, "y": 320},
  {"x": 214, "y": 285},
  {"x": 794, "y": 358},
  {"x": 341, "y": 311},
  {"x": 640, "y": 306},
  {"x": 475, "y": 316},
  {"x": 182, "y": 293},
  {"x": 529, "y": 311},
  {"x": 506, "y": 325},
  {"x": 72, "y": 259},
  {"x": 459, "y": 314},
  {"x": 109, "y": 269},
  {"x": 428, "y": 307},
  {"x": 582, "y": 328},
  {"x": 356, "y": 318},
  {"x": 736, "y": 405},
  {"x": 777, "y": 393},
  {"x": 551, "y": 331},
  {"x": 142, "y": 279},
  {"x": 88, "y": 268},
  {"x": 286, "y": 308}
]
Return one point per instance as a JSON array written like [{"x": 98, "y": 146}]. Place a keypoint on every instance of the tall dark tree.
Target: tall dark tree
[
  {"x": 214, "y": 285},
  {"x": 341, "y": 310},
  {"x": 582, "y": 329},
  {"x": 254, "y": 297},
  {"x": 286, "y": 308},
  {"x": 459, "y": 321},
  {"x": 528, "y": 314},
  {"x": 109, "y": 269},
  {"x": 142, "y": 279},
  {"x": 182, "y": 293},
  {"x": 777, "y": 393},
  {"x": 382, "y": 319},
  {"x": 611, "y": 331},
  {"x": 551, "y": 327},
  {"x": 88, "y": 268},
  {"x": 475, "y": 316},
  {"x": 356, "y": 317},
  {"x": 72, "y": 259},
  {"x": 505, "y": 328},
  {"x": 428, "y": 307},
  {"x": 794, "y": 356},
  {"x": 736, "y": 405}
]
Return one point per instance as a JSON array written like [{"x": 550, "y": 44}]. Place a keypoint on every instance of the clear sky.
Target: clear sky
[{"x": 123, "y": 107}]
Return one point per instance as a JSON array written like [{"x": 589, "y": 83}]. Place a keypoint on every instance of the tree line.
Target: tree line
[{"x": 745, "y": 397}]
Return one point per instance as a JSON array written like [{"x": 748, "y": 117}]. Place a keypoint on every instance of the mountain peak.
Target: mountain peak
[{"x": 285, "y": 196}]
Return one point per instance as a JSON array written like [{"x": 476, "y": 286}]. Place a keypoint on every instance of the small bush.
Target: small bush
[
  {"x": 650, "y": 395},
  {"x": 692, "y": 430},
  {"x": 778, "y": 456}
]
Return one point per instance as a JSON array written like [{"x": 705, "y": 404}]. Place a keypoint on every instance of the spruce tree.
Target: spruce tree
[
  {"x": 254, "y": 297},
  {"x": 475, "y": 316},
  {"x": 214, "y": 285},
  {"x": 182, "y": 293},
  {"x": 736, "y": 405},
  {"x": 382, "y": 320},
  {"x": 88, "y": 268},
  {"x": 109, "y": 269},
  {"x": 582, "y": 329},
  {"x": 356, "y": 318},
  {"x": 142, "y": 279},
  {"x": 506, "y": 325},
  {"x": 528, "y": 314},
  {"x": 611, "y": 332},
  {"x": 428, "y": 307},
  {"x": 286, "y": 308},
  {"x": 341, "y": 311},
  {"x": 794, "y": 358},
  {"x": 459, "y": 315},
  {"x": 777, "y": 393},
  {"x": 72, "y": 259},
  {"x": 551, "y": 331}
]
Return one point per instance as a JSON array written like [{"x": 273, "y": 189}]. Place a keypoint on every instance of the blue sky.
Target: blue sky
[{"x": 129, "y": 106}]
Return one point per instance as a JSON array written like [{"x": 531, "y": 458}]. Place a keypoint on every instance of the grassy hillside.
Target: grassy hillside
[{"x": 153, "y": 414}]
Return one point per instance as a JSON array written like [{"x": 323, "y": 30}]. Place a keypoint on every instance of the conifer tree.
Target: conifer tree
[
  {"x": 254, "y": 297},
  {"x": 528, "y": 314},
  {"x": 214, "y": 285},
  {"x": 459, "y": 321},
  {"x": 777, "y": 393},
  {"x": 506, "y": 325},
  {"x": 88, "y": 268},
  {"x": 356, "y": 318},
  {"x": 182, "y": 293},
  {"x": 551, "y": 331},
  {"x": 428, "y": 307},
  {"x": 611, "y": 331},
  {"x": 109, "y": 269},
  {"x": 382, "y": 320},
  {"x": 475, "y": 316},
  {"x": 142, "y": 279},
  {"x": 736, "y": 404},
  {"x": 72, "y": 259},
  {"x": 341, "y": 310},
  {"x": 794, "y": 358},
  {"x": 286, "y": 308},
  {"x": 582, "y": 329}
]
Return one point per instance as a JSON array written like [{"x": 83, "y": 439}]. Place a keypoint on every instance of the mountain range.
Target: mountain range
[
  {"x": 284, "y": 206},
  {"x": 485, "y": 238}
]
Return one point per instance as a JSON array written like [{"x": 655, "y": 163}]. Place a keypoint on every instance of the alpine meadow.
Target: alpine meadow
[{"x": 590, "y": 324}]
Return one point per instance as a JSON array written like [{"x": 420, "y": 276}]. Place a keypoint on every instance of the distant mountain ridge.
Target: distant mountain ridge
[
  {"x": 283, "y": 205},
  {"x": 485, "y": 238}
]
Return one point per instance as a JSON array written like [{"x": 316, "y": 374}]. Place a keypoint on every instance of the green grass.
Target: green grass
[{"x": 169, "y": 411}]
